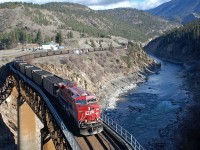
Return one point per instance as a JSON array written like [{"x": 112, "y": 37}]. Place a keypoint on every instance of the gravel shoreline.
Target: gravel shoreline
[
  {"x": 117, "y": 87},
  {"x": 121, "y": 85}
]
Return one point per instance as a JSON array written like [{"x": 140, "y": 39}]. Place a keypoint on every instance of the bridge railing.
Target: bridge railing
[
  {"x": 68, "y": 135},
  {"x": 122, "y": 132}
]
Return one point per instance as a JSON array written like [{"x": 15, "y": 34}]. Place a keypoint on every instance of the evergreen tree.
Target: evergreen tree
[
  {"x": 13, "y": 38},
  {"x": 38, "y": 38},
  {"x": 59, "y": 38},
  {"x": 22, "y": 36}
]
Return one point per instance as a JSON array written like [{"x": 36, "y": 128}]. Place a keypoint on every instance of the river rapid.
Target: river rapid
[{"x": 153, "y": 105}]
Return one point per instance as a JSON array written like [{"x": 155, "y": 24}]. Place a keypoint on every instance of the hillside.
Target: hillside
[
  {"x": 81, "y": 20},
  {"x": 102, "y": 72},
  {"x": 130, "y": 22},
  {"x": 181, "y": 44},
  {"x": 181, "y": 11}
]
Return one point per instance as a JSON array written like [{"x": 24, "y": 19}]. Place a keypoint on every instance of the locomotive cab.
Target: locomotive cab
[{"x": 89, "y": 115}]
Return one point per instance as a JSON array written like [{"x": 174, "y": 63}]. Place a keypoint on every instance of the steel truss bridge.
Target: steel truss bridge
[{"x": 59, "y": 128}]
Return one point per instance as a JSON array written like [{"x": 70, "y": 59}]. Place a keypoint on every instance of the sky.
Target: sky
[{"x": 104, "y": 4}]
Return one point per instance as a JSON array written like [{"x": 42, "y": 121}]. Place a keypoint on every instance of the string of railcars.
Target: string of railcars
[
  {"x": 82, "y": 106},
  {"x": 59, "y": 52}
]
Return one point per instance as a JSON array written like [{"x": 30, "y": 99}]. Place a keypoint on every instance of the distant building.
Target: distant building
[
  {"x": 61, "y": 47},
  {"x": 33, "y": 47},
  {"x": 50, "y": 46}
]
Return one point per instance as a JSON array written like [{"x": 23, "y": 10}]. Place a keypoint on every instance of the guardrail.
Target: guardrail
[
  {"x": 68, "y": 135},
  {"x": 122, "y": 132}
]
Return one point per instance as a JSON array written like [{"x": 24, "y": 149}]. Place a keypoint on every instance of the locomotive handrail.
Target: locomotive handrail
[
  {"x": 122, "y": 132},
  {"x": 68, "y": 135}
]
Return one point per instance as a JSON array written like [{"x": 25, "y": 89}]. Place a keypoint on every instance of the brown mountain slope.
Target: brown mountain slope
[{"x": 52, "y": 17}]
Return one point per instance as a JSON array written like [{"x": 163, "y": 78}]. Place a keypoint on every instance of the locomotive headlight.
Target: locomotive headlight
[
  {"x": 88, "y": 108},
  {"x": 97, "y": 108}
]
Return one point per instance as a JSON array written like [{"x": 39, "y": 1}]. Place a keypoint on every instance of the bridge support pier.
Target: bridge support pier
[
  {"x": 46, "y": 141},
  {"x": 27, "y": 127},
  {"x": 30, "y": 106}
]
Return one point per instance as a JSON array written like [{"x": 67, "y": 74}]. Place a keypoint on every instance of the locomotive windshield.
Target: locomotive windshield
[
  {"x": 92, "y": 100},
  {"x": 81, "y": 102}
]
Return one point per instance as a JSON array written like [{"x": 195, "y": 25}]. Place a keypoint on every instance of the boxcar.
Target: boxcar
[
  {"x": 39, "y": 75},
  {"x": 57, "y": 52},
  {"x": 91, "y": 49},
  {"x": 50, "y": 53},
  {"x": 17, "y": 63},
  {"x": 29, "y": 71},
  {"x": 23, "y": 66},
  {"x": 43, "y": 54},
  {"x": 64, "y": 51},
  {"x": 50, "y": 84}
]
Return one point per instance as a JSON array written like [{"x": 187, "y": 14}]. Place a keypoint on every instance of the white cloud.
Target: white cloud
[
  {"x": 34, "y": 1},
  {"x": 153, "y": 3},
  {"x": 111, "y": 6},
  {"x": 142, "y": 4},
  {"x": 103, "y": 4}
]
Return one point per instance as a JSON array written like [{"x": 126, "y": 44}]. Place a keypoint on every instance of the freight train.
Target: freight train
[
  {"x": 76, "y": 102},
  {"x": 60, "y": 52}
]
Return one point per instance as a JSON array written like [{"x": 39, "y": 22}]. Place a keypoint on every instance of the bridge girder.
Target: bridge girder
[{"x": 38, "y": 106}]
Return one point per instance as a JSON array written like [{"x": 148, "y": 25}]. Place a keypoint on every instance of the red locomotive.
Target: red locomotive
[
  {"x": 82, "y": 106},
  {"x": 76, "y": 102}
]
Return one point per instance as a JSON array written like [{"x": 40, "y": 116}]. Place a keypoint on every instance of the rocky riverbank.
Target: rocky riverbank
[
  {"x": 107, "y": 74},
  {"x": 188, "y": 134},
  {"x": 120, "y": 85}
]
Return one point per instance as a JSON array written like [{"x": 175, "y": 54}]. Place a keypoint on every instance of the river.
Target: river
[{"x": 152, "y": 105}]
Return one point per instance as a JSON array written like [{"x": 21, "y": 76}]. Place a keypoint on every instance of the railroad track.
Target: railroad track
[
  {"x": 102, "y": 141},
  {"x": 96, "y": 142}
]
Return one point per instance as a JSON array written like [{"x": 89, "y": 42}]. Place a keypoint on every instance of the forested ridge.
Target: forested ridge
[
  {"x": 51, "y": 18},
  {"x": 182, "y": 43}
]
